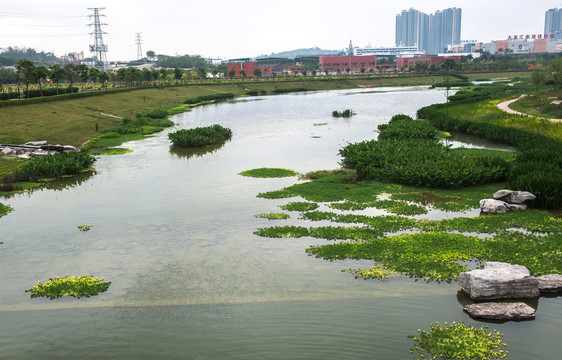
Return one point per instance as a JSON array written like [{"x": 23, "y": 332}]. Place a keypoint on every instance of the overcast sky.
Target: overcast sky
[{"x": 245, "y": 28}]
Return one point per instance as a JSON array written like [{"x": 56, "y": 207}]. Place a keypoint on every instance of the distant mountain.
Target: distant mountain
[{"x": 294, "y": 53}]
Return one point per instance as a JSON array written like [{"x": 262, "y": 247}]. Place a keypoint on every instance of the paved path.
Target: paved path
[{"x": 505, "y": 107}]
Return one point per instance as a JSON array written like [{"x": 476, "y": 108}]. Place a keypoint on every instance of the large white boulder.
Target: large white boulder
[
  {"x": 513, "y": 197},
  {"x": 499, "y": 281},
  {"x": 491, "y": 206}
]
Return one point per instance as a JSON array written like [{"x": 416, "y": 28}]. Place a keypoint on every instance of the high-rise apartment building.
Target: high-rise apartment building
[
  {"x": 553, "y": 23},
  {"x": 430, "y": 33}
]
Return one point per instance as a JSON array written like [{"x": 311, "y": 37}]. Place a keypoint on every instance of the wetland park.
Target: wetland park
[{"x": 297, "y": 234}]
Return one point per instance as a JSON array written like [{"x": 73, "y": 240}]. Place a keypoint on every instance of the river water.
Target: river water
[{"x": 173, "y": 232}]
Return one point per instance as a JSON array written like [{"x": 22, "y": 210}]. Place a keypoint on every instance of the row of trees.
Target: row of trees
[{"x": 28, "y": 73}]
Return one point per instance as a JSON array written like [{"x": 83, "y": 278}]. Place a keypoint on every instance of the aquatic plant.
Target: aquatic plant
[
  {"x": 5, "y": 209},
  {"x": 200, "y": 136},
  {"x": 273, "y": 216},
  {"x": 57, "y": 165},
  {"x": 344, "y": 114},
  {"x": 375, "y": 272},
  {"x": 85, "y": 227},
  {"x": 299, "y": 206},
  {"x": 82, "y": 286},
  {"x": 458, "y": 341},
  {"x": 268, "y": 173}
]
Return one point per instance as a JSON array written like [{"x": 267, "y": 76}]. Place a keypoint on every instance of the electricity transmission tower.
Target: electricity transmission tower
[
  {"x": 99, "y": 49},
  {"x": 138, "y": 41}
]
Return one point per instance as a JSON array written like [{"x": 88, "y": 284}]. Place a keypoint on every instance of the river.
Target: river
[{"x": 173, "y": 232}]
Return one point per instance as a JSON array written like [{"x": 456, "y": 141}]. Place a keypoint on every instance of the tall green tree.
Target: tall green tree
[
  {"x": 83, "y": 73},
  {"x": 56, "y": 74},
  {"x": 257, "y": 73},
  {"x": 231, "y": 73},
  {"x": 151, "y": 55},
  {"x": 26, "y": 72},
  {"x": 556, "y": 71},
  {"x": 538, "y": 78},
  {"x": 202, "y": 72},
  {"x": 41, "y": 73},
  {"x": 177, "y": 73},
  {"x": 71, "y": 74}
]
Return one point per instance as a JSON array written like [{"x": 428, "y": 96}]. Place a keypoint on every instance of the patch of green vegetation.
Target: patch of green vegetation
[
  {"x": 421, "y": 162},
  {"x": 385, "y": 223},
  {"x": 458, "y": 341},
  {"x": 200, "y": 136},
  {"x": 347, "y": 113},
  {"x": 395, "y": 207},
  {"x": 84, "y": 228},
  {"x": 321, "y": 124},
  {"x": 268, "y": 173},
  {"x": 435, "y": 256},
  {"x": 299, "y": 206},
  {"x": 283, "y": 231},
  {"x": 332, "y": 188},
  {"x": 376, "y": 272},
  {"x": 273, "y": 216},
  {"x": 404, "y": 127},
  {"x": 110, "y": 151},
  {"x": 316, "y": 137},
  {"x": 529, "y": 220},
  {"x": 57, "y": 165},
  {"x": 5, "y": 209},
  {"x": 82, "y": 286}
]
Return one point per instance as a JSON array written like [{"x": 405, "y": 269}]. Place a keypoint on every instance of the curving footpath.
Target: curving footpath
[{"x": 504, "y": 106}]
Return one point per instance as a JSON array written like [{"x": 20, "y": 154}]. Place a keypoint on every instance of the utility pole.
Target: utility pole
[
  {"x": 138, "y": 41},
  {"x": 99, "y": 49}
]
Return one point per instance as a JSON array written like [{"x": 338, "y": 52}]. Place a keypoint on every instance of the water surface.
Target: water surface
[{"x": 173, "y": 232}]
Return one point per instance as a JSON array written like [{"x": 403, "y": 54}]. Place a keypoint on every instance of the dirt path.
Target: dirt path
[{"x": 504, "y": 106}]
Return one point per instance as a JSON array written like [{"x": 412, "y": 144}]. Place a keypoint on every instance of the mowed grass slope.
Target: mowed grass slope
[{"x": 72, "y": 122}]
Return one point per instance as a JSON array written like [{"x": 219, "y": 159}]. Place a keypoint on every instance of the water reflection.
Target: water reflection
[{"x": 198, "y": 152}]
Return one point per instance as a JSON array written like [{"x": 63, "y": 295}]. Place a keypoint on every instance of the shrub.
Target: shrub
[
  {"x": 421, "y": 162},
  {"x": 404, "y": 128},
  {"x": 57, "y": 165},
  {"x": 201, "y": 136}
]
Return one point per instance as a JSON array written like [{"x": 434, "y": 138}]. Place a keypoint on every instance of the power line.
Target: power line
[
  {"x": 31, "y": 36},
  {"x": 42, "y": 16},
  {"x": 37, "y": 25}
]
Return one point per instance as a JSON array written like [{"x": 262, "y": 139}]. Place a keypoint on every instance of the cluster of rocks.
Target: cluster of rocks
[
  {"x": 504, "y": 201},
  {"x": 35, "y": 149},
  {"x": 502, "y": 281}
]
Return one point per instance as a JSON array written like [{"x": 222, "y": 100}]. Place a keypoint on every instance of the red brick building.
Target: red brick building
[
  {"x": 267, "y": 71},
  {"x": 354, "y": 63},
  {"x": 406, "y": 62}
]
